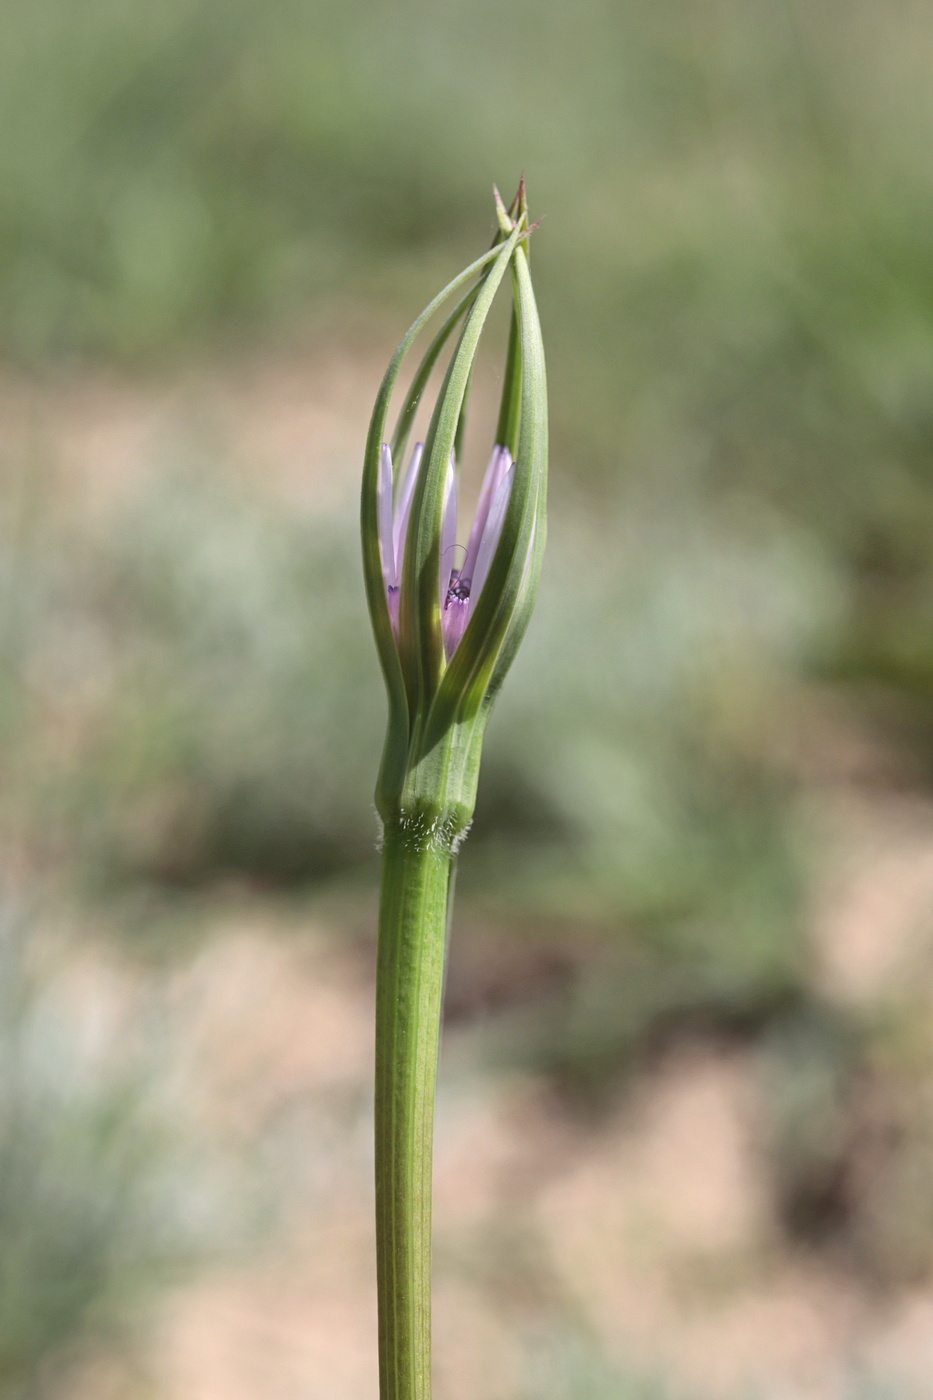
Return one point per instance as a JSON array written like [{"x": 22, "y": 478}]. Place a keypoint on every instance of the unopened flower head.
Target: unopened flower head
[
  {"x": 449, "y": 604},
  {"x": 461, "y": 579}
]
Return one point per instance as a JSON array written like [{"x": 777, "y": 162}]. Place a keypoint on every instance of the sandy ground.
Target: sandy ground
[{"x": 296, "y": 424}]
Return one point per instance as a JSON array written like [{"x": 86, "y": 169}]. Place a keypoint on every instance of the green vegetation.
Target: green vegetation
[
  {"x": 105, "y": 1196},
  {"x": 737, "y": 283}
]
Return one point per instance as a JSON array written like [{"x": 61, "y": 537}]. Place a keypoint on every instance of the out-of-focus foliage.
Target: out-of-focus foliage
[
  {"x": 572, "y": 1368},
  {"x": 232, "y": 709},
  {"x": 565, "y": 1367},
  {"x": 735, "y": 275},
  {"x": 736, "y": 279},
  {"x": 103, "y": 1202}
]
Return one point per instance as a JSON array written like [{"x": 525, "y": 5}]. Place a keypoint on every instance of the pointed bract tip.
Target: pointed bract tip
[
  {"x": 502, "y": 214},
  {"x": 517, "y": 212},
  {"x": 521, "y": 202}
]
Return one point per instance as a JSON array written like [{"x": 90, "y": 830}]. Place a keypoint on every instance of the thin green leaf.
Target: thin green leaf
[
  {"x": 536, "y": 417},
  {"x": 510, "y": 404},
  {"x": 422, "y": 374}
]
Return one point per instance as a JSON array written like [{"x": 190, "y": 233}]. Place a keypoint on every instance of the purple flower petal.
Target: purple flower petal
[
  {"x": 403, "y": 507},
  {"x": 454, "y": 620},
  {"x": 448, "y": 530},
  {"x": 499, "y": 463},
  {"x": 384, "y": 513},
  {"x": 491, "y": 532}
]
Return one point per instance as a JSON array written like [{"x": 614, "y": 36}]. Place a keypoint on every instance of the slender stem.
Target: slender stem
[{"x": 413, "y": 913}]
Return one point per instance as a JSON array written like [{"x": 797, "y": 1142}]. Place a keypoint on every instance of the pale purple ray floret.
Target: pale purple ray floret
[{"x": 459, "y": 587}]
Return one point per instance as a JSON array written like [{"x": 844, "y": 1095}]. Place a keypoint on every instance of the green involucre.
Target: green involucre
[{"x": 438, "y": 709}]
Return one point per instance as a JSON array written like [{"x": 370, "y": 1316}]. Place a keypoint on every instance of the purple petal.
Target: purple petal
[
  {"x": 499, "y": 463},
  {"x": 403, "y": 508},
  {"x": 454, "y": 620},
  {"x": 384, "y": 516},
  {"x": 448, "y": 529},
  {"x": 491, "y": 532}
]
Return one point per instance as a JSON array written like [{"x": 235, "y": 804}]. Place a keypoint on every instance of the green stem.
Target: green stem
[{"x": 413, "y": 913}]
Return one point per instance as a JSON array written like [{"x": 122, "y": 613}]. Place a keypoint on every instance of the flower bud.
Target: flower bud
[{"x": 446, "y": 629}]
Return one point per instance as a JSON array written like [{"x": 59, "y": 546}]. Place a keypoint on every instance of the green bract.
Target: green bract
[{"x": 438, "y": 706}]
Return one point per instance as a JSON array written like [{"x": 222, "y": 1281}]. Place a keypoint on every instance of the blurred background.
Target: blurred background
[{"x": 685, "y": 1124}]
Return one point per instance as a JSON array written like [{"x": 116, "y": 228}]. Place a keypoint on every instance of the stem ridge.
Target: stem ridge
[{"x": 416, "y": 877}]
